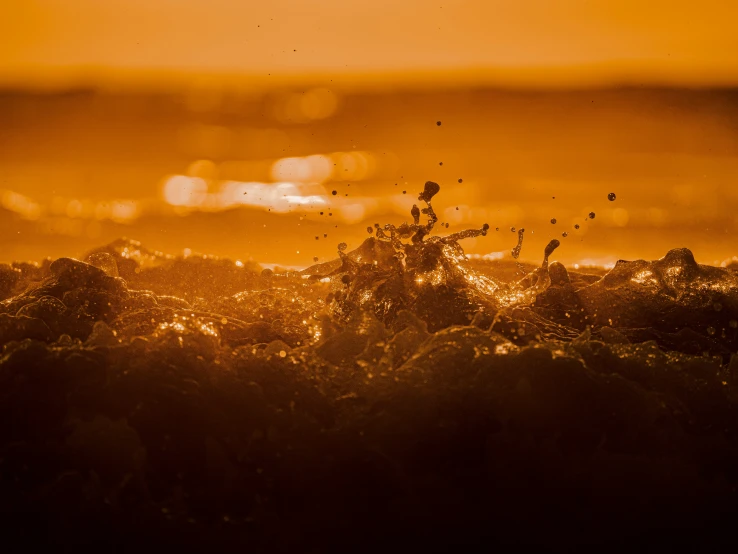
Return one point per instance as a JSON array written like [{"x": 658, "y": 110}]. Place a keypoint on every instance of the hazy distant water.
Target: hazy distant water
[{"x": 670, "y": 155}]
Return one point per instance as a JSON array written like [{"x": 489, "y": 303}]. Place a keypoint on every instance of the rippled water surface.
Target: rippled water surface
[{"x": 401, "y": 389}]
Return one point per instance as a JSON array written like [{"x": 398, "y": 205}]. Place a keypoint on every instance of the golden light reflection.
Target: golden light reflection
[
  {"x": 317, "y": 168},
  {"x": 183, "y": 324},
  {"x": 298, "y": 183},
  {"x": 620, "y": 217},
  {"x": 305, "y": 107},
  {"x": 644, "y": 277},
  {"x": 181, "y": 190},
  {"x": 124, "y": 211},
  {"x": 20, "y": 204},
  {"x": 119, "y": 211}
]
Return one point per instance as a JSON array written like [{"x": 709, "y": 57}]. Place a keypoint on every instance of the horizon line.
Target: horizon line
[{"x": 565, "y": 77}]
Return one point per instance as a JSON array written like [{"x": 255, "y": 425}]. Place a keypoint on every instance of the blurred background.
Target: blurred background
[{"x": 274, "y": 130}]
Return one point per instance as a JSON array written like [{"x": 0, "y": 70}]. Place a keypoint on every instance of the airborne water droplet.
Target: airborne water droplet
[
  {"x": 553, "y": 245},
  {"x": 429, "y": 191},
  {"x": 415, "y": 212},
  {"x": 515, "y": 252}
]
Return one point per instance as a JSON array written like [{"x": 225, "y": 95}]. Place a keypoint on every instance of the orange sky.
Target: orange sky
[{"x": 674, "y": 41}]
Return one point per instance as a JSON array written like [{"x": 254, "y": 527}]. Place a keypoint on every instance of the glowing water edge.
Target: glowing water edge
[{"x": 401, "y": 396}]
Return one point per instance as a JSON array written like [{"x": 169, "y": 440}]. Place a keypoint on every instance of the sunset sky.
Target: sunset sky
[{"x": 569, "y": 41}]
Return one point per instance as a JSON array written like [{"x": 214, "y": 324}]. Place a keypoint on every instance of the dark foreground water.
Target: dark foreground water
[{"x": 400, "y": 398}]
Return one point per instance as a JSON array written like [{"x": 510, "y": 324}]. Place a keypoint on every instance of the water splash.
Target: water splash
[
  {"x": 515, "y": 252},
  {"x": 406, "y": 267}
]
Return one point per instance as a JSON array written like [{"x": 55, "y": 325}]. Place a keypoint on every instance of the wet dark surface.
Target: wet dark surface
[{"x": 401, "y": 397}]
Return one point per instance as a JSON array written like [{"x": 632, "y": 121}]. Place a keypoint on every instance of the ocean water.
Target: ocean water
[{"x": 398, "y": 396}]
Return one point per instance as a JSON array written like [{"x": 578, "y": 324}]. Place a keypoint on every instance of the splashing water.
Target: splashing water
[
  {"x": 181, "y": 387},
  {"x": 428, "y": 275},
  {"x": 515, "y": 252}
]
